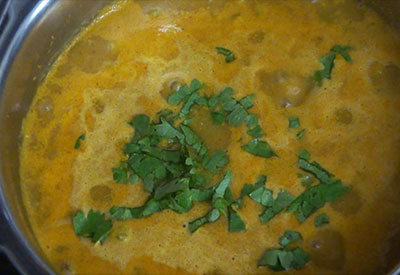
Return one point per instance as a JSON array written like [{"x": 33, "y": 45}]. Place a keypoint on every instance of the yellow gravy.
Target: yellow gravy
[{"x": 121, "y": 66}]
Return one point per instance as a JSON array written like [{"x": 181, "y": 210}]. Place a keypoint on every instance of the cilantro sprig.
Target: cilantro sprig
[
  {"x": 316, "y": 196},
  {"x": 79, "y": 141},
  {"x": 328, "y": 62},
  {"x": 229, "y": 56},
  {"x": 94, "y": 225},
  {"x": 280, "y": 259}
]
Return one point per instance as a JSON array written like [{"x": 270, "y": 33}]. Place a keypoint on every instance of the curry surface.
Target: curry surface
[{"x": 121, "y": 65}]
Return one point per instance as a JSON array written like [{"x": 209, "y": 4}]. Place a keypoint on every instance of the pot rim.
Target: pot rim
[{"x": 22, "y": 17}]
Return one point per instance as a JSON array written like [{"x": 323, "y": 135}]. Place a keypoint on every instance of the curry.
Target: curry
[{"x": 256, "y": 92}]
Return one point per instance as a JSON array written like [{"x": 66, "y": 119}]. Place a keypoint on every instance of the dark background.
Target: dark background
[{"x": 6, "y": 266}]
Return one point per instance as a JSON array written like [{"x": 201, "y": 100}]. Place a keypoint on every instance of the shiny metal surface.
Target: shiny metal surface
[{"x": 35, "y": 33}]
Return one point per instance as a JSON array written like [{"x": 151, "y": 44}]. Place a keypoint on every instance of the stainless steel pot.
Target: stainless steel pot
[{"x": 32, "y": 34}]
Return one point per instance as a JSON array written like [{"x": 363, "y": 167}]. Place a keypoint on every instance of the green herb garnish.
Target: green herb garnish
[
  {"x": 94, "y": 226},
  {"x": 289, "y": 237},
  {"x": 229, "y": 56},
  {"x": 314, "y": 198},
  {"x": 249, "y": 188},
  {"x": 294, "y": 122},
  {"x": 316, "y": 169},
  {"x": 328, "y": 61},
  {"x": 259, "y": 148},
  {"x": 256, "y": 132},
  {"x": 343, "y": 51},
  {"x": 216, "y": 161},
  {"x": 78, "y": 141},
  {"x": 306, "y": 180},
  {"x": 321, "y": 219},
  {"x": 221, "y": 201},
  {"x": 304, "y": 154},
  {"x": 210, "y": 217},
  {"x": 282, "y": 200},
  {"x": 301, "y": 133},
  {"x": 235, "y": 223},
  {"x": 282, "y": 259}
]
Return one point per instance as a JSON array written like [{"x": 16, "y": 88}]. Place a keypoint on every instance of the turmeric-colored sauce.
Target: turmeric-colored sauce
[{"x": 123, "y": 64}]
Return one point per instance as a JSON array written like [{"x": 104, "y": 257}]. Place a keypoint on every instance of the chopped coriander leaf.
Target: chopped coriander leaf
[
  {"x": 218, "y": 117},
  {"x": 235, "y": 222},
  {"x": 314, "y": 198},
  {"x": 328, "y": 63},
  {"x": 306, "y": 180},
  {"x": 343, "y": 51},
  {"x": 167, "y": 114},
  {"x": 294, "y": 122},
  {"x": 124, "y": 213},
  {"x": 222, "y": 186},
  {"x": 169, "y": 187},
  {"x": 94, "y": 225},
  {"x": 301, "y": 133},
  {"x": 262, "y": 195},
  {"x": 166, "y": 130},
  {"x": 202, "y": 195},
  {"x": 249, "y": 188},
  {"x": 289, "y": 237},
  {"x": 131, "y": 148},
  {"x": 247, "y": 101},
  {"x": 189, "y": 103},
  {"x": 229, "y": 56},
  {"x": 246, "y": 189},
  {"x": 120, "y": 174},
  {"x": 259, "y": 148},
  {"x": 237, "y": 116},
  {"x": 133, "y": 178},
  {"x": 79, "y": 140},
  {"x": 210, "y": 217},
  {"x": 141, "y": 124},
  {"x": 304, "y": 154},
  {"x": 195, "y": 224},
  {"x": 187, "y": 121},
  {"x": 251, "y": 121},
  {"x": 321, "y": 219},
  {"x": 281, "y": 201},
  {"x": 256, "y": 132},
  {"x": 282, "y": 259},
  {"x": 193, "y": 140},
  {"x": 316, "y": 169},
  {"x": 216, "y": 161},
  {"x": 184, "y": 91}
]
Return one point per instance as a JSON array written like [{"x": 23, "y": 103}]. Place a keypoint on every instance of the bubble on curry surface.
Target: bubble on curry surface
[
  {"x": 93, "y": 53},
  {"x": 343, "y": 115},
  {"x": 101, "y": 193},
  {"x": 171, "y": 85},
  {"x": 256, "y": 37},
  {"x": 327, "y": 249},
  {"x": 44, "y": 108},
  {"x": 385, "y": 78},
  {"x": 286, "y": 89}
]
